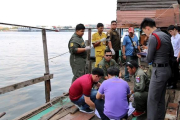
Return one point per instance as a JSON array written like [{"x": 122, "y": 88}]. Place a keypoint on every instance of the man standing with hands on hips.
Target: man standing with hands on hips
[
  {"x": 159, "y": 51},
  {"x": 78, "y": 53}
]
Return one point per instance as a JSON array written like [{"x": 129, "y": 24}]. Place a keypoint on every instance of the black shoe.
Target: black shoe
[
  {"x": 87, "y": 110},
  {"x": 127, "y": 80}
]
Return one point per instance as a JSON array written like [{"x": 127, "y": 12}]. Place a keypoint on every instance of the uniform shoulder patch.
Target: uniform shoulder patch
[
  {"x": 82, "y": 43},
  {"x": 107, "y": 66},
  {"x": 109, "y": 31},
  {"x": 114, "y": 33},
  {"x": 71, "y": 44},
  {"x": 100, "y": 66},
  {"x": 137, "y": 79}
]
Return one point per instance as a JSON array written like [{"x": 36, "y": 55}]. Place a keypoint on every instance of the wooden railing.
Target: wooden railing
[
  {"x": 47, "y": 76},
  {"x": 25, "y": 84}
]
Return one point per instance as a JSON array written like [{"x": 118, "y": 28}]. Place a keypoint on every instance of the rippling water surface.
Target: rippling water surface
[{"x": 21, "y": 58}]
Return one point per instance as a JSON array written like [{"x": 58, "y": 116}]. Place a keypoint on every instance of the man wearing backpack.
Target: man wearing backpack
[
  {"x": 130, "y": 44},
  {"x": 159, "y": 51}
]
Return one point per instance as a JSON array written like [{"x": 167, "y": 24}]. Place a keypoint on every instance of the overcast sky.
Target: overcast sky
[{"x": 57, "y": 12}]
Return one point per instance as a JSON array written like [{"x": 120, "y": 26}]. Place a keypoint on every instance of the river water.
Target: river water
[{"x": 21, "y": 59}]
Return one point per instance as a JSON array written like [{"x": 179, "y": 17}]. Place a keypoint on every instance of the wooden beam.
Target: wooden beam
[
  {"x": 2, "y": 114},
  {"x": 136, "y": 9},
  {"x": 48, "y": 82},
  {"x": 129, "y": 1},
  {"x": 25, "y": 26},
  {"x": 144, "y": 6},
  {"x": 148, "y": 3},
  {"x": 88, "y": 62},
  {"x": 25, "y": 84}
]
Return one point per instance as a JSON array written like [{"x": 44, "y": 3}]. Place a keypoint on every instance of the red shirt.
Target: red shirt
[{"x": 81, "y": 86}]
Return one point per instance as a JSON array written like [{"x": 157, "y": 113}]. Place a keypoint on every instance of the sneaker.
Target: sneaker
[
  {"x": 136, "y": 113},
  {"x": 87, "y": 110}
]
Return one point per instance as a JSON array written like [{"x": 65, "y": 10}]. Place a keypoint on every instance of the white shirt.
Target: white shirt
[{"x": 175, "y": 40}]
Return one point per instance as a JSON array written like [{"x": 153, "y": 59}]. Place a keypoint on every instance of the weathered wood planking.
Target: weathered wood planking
[
  {"x": 133, "y": 5},
  {"x": 24, "y": 84},
  {"x": 144, "y": 6},
  {"x": 78, "y": 116},
  {"x": 65, "y": 108},
  {"x": 177, "y": 96},
  {"x": 39, "y": 109},
  {"x": 172, "y": 111},
  {"x": 148, "y": 3},
  {"x": 128, "y": 1}
]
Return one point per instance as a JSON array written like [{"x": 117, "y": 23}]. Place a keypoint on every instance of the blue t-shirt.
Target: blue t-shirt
[
  {"x": 116, "y": 103},
  {"x": 128, "y": 44}
]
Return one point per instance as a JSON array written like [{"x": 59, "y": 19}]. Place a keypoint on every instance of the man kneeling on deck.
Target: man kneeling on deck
[
  {"x": 81, "y": 92},
  {"x": 112, "y": 96},
  {"x": 141, "y": 86}
]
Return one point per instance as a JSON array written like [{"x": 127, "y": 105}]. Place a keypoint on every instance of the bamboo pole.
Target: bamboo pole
[{"x": 48, "y": 82}]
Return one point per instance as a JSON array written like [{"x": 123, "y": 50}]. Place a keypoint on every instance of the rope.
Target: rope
[
  {"x": 164, "y": 12},
  {"x": 58, "y": 55}
]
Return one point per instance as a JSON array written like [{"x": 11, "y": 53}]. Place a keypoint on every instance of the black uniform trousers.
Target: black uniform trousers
[
  {"x": 175, "y": 72},
  {"x": 116, "y": 56}
]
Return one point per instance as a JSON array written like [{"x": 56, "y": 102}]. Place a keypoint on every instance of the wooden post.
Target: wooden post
[
  {"x": 88, "y": 62},
  {"x": 89, "y": 41},
  {"x": 48, "y": 82},
  {"x": 89, "y": 52},
  {"x": 2, "y": 114}
]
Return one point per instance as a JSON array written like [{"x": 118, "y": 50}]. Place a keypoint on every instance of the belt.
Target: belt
[{"x": 159, "y": 65}]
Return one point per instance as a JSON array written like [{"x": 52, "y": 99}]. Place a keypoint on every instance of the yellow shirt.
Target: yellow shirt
[{"x": 96, "y": 37}]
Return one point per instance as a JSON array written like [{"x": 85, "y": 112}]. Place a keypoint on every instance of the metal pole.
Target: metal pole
[{"x": 48, "y": 82}]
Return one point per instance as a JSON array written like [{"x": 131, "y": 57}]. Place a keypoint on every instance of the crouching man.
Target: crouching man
[
  {"x": 81, "y": 92},
  {"x": 112, "y": 96},
  {"x": 107, "y": 62},
  {"x": 141, "y": 86}
]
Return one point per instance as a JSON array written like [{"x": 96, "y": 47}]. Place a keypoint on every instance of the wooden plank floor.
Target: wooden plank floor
[{"x": 78, "y": 116}]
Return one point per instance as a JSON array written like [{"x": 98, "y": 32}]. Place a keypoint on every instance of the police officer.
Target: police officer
[
  {"x": 78, "y": 53},
  {"x": 159, "y": 51},
  {"x": 115, "y": 43},
  {"x": 107, "y": 62},
  {"x": 175, "y": 40},
  {"x": 141, "y": 86},
  {"x": 99, "y": 43}
]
